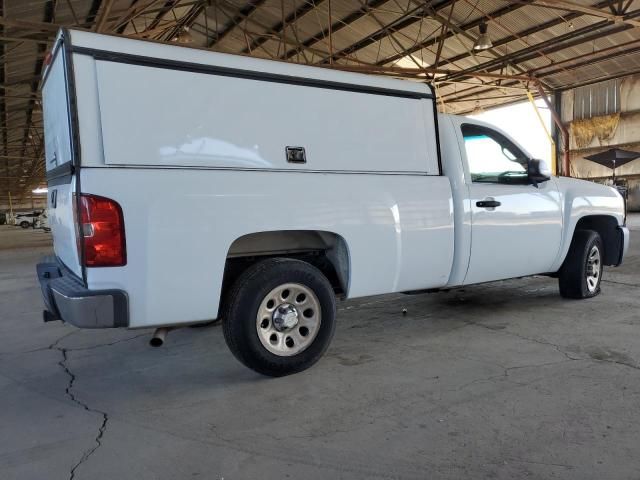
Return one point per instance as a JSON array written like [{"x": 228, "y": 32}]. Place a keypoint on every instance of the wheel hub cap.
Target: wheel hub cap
[
  {"x": 288, "y": 319},
  {"x": 593, "y": 269},
  {"x": 285, "y": 317}
]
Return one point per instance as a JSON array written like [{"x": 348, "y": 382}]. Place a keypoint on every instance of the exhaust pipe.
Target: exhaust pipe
[
  {"x": 47, "y": 316},
  {"x": 158, "y": 337}
]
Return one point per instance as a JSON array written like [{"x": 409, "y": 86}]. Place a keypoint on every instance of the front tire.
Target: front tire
[
  {"x": 25, "y": 224},
  {"x": 581, "y": 272},
  {"x": 279, "y": 316}
]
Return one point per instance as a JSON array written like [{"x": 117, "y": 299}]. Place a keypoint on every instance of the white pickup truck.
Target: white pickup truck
[{"x": 187, "y": 185}]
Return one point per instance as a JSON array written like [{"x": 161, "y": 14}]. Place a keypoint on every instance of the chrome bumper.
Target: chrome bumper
[{"x": 67, "y": 299}]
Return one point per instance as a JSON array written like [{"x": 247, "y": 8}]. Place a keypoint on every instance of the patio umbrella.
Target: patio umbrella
[{"x": 615, "y": 157}]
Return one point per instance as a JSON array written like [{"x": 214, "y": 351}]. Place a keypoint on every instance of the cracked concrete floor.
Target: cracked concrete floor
[{"x": 505, "y": 380}]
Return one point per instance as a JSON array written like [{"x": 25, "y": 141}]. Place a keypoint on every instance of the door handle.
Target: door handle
[{"x": 488, "y": 203}]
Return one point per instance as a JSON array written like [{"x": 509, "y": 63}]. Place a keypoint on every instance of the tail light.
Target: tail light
[{"x": 101, "y": 232}]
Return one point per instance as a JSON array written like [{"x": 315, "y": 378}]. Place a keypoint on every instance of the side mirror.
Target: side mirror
[{"x": 539, "y": 171}]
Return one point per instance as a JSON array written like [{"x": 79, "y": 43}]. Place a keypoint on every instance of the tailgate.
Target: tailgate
[{"x": 59, "y": 159}]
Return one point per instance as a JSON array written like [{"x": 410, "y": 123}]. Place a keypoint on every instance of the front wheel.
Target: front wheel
[
  {"x": 581, "y": 272},
  {"x": 279, "y": 316},
  {"x": 25, "y": 224}
]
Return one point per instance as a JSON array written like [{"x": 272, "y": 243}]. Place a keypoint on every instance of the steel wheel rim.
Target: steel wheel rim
[
  {"x": 288, "y": 319},
  {"x": 593, "y": 269}
]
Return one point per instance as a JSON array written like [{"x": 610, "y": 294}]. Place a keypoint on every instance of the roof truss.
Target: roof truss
[{"x": 555, "y": 43}]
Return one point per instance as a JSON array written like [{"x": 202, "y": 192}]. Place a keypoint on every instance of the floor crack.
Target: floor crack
[
  {"x": 617, "y": 362},
  {"x": 69, "y": 392},
  {"x": 76, "y": 349},
  {"x": 558, "y": 348},
  {"x": 100, "y": 345},
  {"x": 621, "y": 283}
]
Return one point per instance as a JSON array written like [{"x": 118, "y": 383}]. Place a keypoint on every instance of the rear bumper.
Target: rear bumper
[{"x": 67, "y": 299}]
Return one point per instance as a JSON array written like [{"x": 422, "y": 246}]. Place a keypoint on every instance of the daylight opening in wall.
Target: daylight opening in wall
[{"x": 521, "y": 122}]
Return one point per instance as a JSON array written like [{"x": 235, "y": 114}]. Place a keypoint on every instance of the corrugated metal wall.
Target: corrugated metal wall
[{"x": 596, "y": 100}]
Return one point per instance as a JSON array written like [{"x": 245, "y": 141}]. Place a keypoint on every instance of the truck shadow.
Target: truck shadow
[{"x": 195, "y": 363}]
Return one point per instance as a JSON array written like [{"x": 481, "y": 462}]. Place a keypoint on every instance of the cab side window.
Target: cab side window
[{"x": 493, "y": 158}]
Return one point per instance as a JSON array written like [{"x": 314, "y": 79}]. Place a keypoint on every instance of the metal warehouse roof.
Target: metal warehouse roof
[{"x": 558, "y": 43}]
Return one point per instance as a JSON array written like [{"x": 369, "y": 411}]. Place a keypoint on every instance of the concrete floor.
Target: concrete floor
[{"x": 505, "y": 381}]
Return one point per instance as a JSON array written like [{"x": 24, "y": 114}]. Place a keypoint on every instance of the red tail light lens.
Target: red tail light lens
[{"x": 102, "y": 232}]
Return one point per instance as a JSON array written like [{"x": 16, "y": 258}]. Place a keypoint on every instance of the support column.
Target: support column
[{"x": 561, "y": 126}]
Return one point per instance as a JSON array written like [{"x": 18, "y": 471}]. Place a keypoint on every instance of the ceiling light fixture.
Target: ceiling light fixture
[
  {"x": 483, "y": 42},
  {"x": 183, "y": 36},
  {"x": 478, "y": 109}
]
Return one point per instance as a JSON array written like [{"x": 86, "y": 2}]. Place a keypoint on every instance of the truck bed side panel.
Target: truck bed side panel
[{"x": 181, "y": 223}]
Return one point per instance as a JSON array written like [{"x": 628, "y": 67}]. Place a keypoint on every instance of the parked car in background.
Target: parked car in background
[
  {"x": 42, "y": 222},
  {"x": 25, "y": 220}
]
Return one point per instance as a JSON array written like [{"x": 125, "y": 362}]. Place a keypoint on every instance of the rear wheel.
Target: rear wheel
[
  {"x": 581, "y": 272},
  {"x": 280, "y": 316},
  {"x": 25, "y": 224}
]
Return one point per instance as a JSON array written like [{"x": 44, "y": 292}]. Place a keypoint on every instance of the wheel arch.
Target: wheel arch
[
  {"x": 607, "y": 227},
  {"x": 328, "y": 251}
]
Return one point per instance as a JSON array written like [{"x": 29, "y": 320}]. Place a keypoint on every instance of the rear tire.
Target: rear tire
[
  {"x": 581, "y": 272},
  {"x": 25, "y": 224},
  {"x": 279, "y": 316}
]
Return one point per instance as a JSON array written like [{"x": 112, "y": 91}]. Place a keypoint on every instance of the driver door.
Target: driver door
[{"x": 516, "y": 227}]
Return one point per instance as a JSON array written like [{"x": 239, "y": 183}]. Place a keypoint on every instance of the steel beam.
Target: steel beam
[{"x": 236, "y": 20}]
